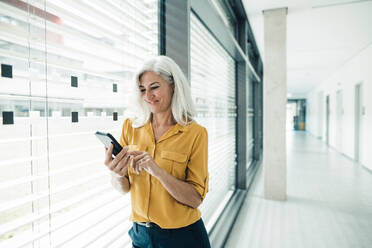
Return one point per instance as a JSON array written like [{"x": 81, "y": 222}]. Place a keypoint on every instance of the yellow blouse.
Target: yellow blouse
[{"x": 183, "y": 152}]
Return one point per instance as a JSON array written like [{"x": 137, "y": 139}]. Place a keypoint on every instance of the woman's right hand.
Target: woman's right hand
[{"x": 120, "y": 164}]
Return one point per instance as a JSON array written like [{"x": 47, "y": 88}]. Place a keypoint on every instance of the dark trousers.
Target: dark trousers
[{"x": 194, "y": 236}]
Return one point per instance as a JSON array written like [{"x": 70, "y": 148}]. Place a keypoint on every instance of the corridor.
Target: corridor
[{"x": 329, "y": 202}]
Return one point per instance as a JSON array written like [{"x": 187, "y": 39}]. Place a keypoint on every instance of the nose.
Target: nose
[{"x": 148, "y": 95}]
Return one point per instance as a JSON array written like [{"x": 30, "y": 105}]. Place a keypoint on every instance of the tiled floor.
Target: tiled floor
[{"x": 329, "y": 203}]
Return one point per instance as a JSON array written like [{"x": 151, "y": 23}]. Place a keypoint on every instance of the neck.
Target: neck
[{"x": 163, "y": 119}]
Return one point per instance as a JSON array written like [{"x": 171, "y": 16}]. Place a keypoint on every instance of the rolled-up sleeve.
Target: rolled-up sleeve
[{"x": 197, "y": 169}]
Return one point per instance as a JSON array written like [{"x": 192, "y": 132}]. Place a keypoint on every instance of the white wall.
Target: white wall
[{"x": 357, "y": 70}]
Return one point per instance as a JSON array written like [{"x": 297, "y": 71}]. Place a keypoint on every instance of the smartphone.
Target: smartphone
[{"x": 107, "y": 139}]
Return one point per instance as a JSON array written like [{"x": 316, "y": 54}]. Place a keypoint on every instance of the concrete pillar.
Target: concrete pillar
[{"x": 274, "y": 101}]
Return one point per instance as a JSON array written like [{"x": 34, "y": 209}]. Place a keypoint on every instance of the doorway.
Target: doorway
[
  {"x": 296, "y": 114},
  {"x": 291, "y": 113}
]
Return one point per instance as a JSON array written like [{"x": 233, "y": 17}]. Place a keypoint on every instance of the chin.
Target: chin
[{"x": 155, "y": 111}]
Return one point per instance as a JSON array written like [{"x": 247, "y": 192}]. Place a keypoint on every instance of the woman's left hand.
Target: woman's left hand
[{"x": 143, "y": 161}]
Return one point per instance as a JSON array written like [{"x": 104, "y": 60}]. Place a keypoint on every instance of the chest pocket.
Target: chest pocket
[{"x": 177, "y": 163}]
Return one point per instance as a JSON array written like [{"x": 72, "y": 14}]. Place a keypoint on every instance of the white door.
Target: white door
[
  {"x": 327, "y": 119},
  {"x": 339, "y": 120},
  {"x": 359, "y": 112},
  {"x": 320, "y": 114}
]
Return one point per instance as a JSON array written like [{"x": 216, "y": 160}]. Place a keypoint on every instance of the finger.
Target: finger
[
  {"x": 126, "y": 165},
  {"x": 126, "y": 160},
  {"x": 123, "y": 163},
  {"x": 135, "y": 153},
  {"x": 136, "y": 168},
  {"x": 116, "y": 169},
  {"x": 123, "y": 152},
  {"x": 120, "y": 155},
  {"x": 136, "y": 158},
  {"x": 136, "y": 165},
  {"x": 145, "y": 160},
  {"x": 120, "y": 169},
  {"x": 142, "y": 162},
  {"x": 118, "y": 166},
  {"x": 114, "y": 163},
  {"x": 119, "y": 162},
  {"x": 123, "y": 171},
  {"x": 140, "y": 165}
]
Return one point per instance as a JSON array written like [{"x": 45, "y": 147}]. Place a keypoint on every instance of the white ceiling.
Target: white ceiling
[{"x": 322, "y": 35}]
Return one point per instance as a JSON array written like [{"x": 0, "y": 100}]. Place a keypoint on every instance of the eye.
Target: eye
[
  {"x": 155, "y": 87},
  {"x": 142, "y": 90}
]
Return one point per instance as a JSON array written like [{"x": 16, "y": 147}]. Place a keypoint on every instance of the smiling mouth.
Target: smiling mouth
[{"x": 152, "y": 103}]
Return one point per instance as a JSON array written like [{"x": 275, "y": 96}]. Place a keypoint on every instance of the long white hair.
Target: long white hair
[{"x": 183, "y": 109}]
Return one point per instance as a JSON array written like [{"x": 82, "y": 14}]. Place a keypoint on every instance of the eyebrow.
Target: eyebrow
[{"x": 150, "y": 84}]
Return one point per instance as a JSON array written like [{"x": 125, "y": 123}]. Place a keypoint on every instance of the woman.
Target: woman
[{"x": 164, "y": 161}]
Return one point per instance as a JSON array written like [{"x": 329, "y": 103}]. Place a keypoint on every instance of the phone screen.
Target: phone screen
[{"x": 107, "y": 139}]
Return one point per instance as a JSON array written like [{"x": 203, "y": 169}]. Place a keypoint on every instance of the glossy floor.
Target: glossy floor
[{"x": 329, "y": 202}]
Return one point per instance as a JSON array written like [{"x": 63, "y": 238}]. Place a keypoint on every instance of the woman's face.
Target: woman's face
[{"x": 156, "y": 92}]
